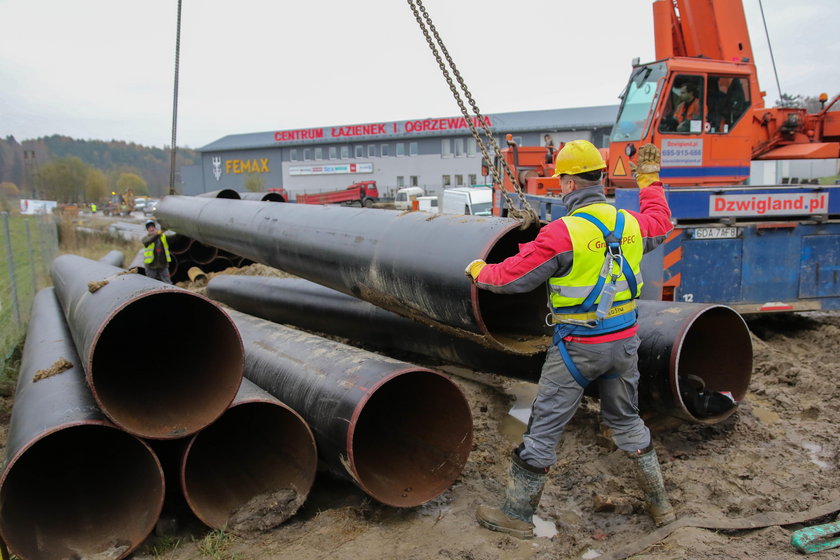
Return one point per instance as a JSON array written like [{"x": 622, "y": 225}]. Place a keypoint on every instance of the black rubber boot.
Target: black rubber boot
[
  {"x": 522, "y": 496},
  {"x": 650, "y": 480}
]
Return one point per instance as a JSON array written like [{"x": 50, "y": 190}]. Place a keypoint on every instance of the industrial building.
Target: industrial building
[{"x": 433, "y": 153}]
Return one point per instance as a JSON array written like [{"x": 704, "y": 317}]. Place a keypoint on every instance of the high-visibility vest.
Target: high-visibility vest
[
  {"x": 567, "y": 293},
  {"x": 149, "y": 251}
]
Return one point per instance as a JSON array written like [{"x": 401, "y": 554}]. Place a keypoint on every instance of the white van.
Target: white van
[
  {"x": 406, "y": 196},
  {"x": 476, "y": 201}
]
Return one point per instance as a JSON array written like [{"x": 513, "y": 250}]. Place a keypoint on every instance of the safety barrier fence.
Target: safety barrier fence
[{"x": 27, "y": 244}]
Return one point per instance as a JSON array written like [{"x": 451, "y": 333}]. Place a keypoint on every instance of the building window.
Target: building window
[
  {"x": 459, "y": 147},
  {"x": 293, "y": 155},
  {"x": 445, "y": 147},
  {"x": 472, "y": 148},
  {"x": 307, "y": 154},
  {"x": 400, "y": 181},
  {"x": 412, "y": 149},
  {"x": 333, "y": 152},
  {"x": 400, "y": 152},
  {"x": 446, "y": 181},
  {"x": 359, "y": 151},
  {"x": 345, "y": 152},
  {"x": 384, "y": 150},
  {"x": 371, "y": 150},
  {"x": 471, "y": 179},
  {"x": 413, "y": 181},
  {"x": 319, "y": 153},
  {"x": 459, "y": 180}
]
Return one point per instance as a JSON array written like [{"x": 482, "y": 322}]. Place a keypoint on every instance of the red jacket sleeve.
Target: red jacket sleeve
[
  {"x": 654, "y": 215},
  {"x": 550, "y": 254}
]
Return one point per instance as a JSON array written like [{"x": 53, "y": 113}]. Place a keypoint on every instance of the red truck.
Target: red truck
[{"x": 364, "y": 193}]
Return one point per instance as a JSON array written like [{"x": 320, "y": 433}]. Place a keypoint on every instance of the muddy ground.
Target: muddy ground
[{"x": 777, "y": 453}]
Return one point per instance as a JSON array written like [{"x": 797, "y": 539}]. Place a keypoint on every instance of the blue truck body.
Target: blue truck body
[{"x": 756, "y": 249}]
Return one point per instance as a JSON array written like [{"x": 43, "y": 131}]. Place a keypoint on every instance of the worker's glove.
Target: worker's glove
[
  {"x": 647, "y": 170},
  {"x": 474, "y": 268}
]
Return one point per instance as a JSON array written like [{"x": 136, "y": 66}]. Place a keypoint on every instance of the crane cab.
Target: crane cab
[{"x": 697, "y": 111}]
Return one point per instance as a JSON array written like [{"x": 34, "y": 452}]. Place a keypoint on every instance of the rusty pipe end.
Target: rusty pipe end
[
  {"x": 85, "y": 491},
  {"x": 410, "y": 439},
  {"x": 254, "y": 467},
  {"x": 714, "y": 346},
  {"x": 166, "y": 364}
]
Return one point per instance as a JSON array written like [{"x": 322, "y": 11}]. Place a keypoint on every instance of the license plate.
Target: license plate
[{"x": 716, "y": 233}]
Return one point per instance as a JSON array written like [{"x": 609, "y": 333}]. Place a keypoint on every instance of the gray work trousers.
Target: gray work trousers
[
  {"x": 161, "y": 274},
  {"x": 614, "y": 366}
]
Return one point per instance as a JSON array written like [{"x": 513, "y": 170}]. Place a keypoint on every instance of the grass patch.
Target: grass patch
[
  {"x": 216, "y": 545},
  {"x": 164, "y": 545}
]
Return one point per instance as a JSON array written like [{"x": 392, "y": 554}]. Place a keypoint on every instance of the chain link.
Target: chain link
[{"x": 524, "y": 212}]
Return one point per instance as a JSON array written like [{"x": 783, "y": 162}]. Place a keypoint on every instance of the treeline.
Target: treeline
[{"x": 68, "y": 170}]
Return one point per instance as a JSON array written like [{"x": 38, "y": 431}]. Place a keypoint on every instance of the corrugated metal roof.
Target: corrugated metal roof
[{"x": 502, "y": 123}]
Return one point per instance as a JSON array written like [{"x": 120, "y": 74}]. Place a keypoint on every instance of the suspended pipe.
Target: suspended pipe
[
  {"x": 73, "y": 485},
  {"x": 229, "y": 194},
  {"x": 313, "y": 307},
  {"x": 259, "y": 455},
  {"x": 113, "y": 258},
  {"x": 262, "y": 196},
  {"x": 380, "y": 256},
  {"x": 400, "y": 432},
  {"x": 161, "y": 362},
  {"x": 708, "y": 341}
]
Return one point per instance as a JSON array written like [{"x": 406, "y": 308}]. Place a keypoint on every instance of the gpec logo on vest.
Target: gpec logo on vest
[{"x": 598, "y": 245}]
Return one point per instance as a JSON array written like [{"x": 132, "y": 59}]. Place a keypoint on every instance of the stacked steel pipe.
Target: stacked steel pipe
[
  {"x": 401, "y": 433},
  {"x": 74, "y": 485},
  {"x": 188, "y": 356}
]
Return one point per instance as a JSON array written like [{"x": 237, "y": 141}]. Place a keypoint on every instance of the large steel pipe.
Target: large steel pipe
[
  {"x": 705, "y": 341},
  {"x": 253, "y": 467},
  {"x": 262, "y": 196},
  {"x": 407, "y": 262},
  {"x": 162, "y": 362},
  {"x": 73, "y": 485},
  {"x": 686, "y": 345},
  {"x": 313, "y": 307},
  {"x": 221, "y": 193},
  {"x": 400, "y": 432},
  {"x": 114, "y": 258}
]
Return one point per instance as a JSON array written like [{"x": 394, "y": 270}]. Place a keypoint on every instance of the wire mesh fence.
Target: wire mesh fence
[{"x": 28, "y": 244}]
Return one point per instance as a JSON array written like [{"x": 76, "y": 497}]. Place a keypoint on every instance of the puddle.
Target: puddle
[
  {"x": 815, "y": 454},
  {"x": 513, "y": 425},
  {"x": 544, "y": 529}
]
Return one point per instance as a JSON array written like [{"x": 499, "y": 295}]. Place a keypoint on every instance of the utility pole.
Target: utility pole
[{"x": 175, "y": 103}]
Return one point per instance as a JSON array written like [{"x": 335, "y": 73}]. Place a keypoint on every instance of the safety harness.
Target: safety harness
[{"x": 607, "y": 316}]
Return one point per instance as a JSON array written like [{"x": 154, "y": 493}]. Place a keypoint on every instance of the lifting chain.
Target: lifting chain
[{"x": 524, "y": 211}]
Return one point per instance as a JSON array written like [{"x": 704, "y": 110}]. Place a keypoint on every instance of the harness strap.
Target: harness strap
[{"x": 567, "y": 359}]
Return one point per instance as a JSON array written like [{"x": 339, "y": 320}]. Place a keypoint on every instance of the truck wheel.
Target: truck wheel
[{"x": 368, "y": 203}]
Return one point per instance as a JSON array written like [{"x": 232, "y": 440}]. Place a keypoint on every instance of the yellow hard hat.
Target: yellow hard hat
[{"x": 578, "y": 156}]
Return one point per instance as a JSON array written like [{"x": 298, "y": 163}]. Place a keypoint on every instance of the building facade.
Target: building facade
[{"x": 432, "y": 153}]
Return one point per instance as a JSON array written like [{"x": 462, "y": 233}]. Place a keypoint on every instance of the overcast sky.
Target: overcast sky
[{"x": 104, "y": 69}]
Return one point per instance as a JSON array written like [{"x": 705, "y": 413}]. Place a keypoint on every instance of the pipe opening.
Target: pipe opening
[
  {"x": 166, "y": 365},
  {"x": 510, "y": 318},
  {"x": 715, "y": 354},
  {"x": 201, "y": 253},
  {"x": 412, "y": 439},
  {"x": 259, "y": 455},
  {"x": 87, "y": 491}
]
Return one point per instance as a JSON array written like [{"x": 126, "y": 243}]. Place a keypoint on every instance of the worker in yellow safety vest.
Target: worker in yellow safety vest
[
  {"x": 590, "y": 261},
  {"x": 156, "y": 257}
]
